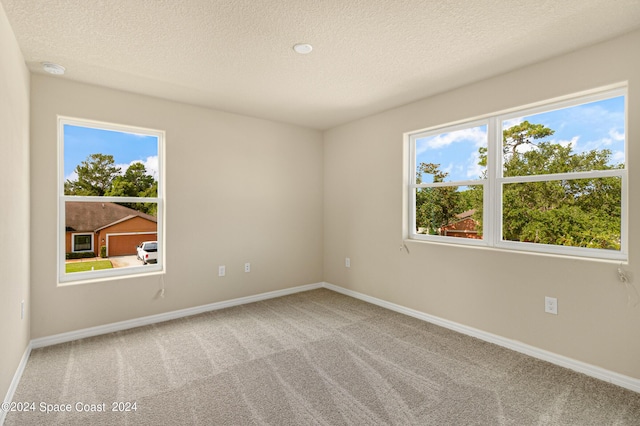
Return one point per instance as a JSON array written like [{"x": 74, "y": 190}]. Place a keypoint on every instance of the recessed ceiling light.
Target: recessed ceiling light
[
  {"x": 303, "y": 48},
  {"x": 52, "y": 68}
]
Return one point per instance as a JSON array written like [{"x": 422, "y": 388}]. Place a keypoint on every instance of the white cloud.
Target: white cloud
[
  {"x": 597, "y": 144},
  {"x": 474, "y": 170},
  {"x": 615, "y": 135},
  {"x": 617, "y": 157},
  {"x": 150, "y": 164},
  {"x": 595, "y": 114},
  {"x": 512, "y": 122},
  {"x": 565, "y": 143},
  {"x": 476, "y": 135},
  {"x": 525, "y": 147}
]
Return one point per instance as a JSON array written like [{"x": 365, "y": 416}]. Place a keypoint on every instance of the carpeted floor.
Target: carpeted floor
[{"x": 313, "y": 358}]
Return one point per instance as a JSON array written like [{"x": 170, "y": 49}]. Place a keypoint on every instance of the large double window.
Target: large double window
[
  {"x": 110, "y": 200},
  {"x": 550, "y": 178}
]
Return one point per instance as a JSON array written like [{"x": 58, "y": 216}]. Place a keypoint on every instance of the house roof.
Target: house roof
[
  {"x": 466, "y": 214},
  {"x": 94, "y": 216}
]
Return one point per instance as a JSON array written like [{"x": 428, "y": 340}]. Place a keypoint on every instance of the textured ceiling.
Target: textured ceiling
[{"x": 368, "y": 56}]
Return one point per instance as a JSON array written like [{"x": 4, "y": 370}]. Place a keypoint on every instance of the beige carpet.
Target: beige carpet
[{"x": 313, "y": 358}]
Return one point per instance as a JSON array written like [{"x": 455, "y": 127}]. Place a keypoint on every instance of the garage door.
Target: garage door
[{"x": 122, "y": 245}]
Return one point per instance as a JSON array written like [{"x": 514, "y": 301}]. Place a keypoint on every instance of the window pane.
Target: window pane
[
  {"x": 576, "y": 213},
  {"x": 82, "y": 242},
  {"x": 450, "y": 157},
  {"x": 581, "y": 138},
  {"x": 117, "y": 230},
  {"x": 454, "y": 211},
  {"x": 101, "y": 162}
]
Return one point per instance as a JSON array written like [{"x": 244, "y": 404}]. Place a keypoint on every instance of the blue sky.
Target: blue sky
[
  {"x": 126, "y": 148},
  {"x": 596, "y": 125}
]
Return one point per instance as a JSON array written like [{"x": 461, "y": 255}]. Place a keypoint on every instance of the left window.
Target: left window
[{"x": 110, "y": 200}]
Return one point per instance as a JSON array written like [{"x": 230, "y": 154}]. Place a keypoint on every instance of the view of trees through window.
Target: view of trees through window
[
  {"x": 99, "y": 176},
  {"x": 559, "y": 176}
]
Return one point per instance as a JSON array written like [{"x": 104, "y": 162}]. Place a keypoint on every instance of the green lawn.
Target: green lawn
[{"x": 86, "y": 266}]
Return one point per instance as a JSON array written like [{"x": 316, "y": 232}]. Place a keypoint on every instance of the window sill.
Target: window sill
[
  {"x": 150, "y": 272},
  {"x": 408, "y": 242}
]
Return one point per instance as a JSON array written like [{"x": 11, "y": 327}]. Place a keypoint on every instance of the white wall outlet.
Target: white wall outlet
[
  {"x": 247, "y": 267},
  {"x": 222, "y": 271},
  {"x": 347, "y": 262},
  {"x": 551, "y": 305},
  {"x": 22, "y": 310}
]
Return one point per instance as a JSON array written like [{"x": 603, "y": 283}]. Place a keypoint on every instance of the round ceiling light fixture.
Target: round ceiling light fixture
[
  {"x": 302, "y": 48},
  {"x": 52, "y": 68}
]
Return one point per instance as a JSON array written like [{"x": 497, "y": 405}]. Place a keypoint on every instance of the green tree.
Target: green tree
[
  {"x": 135, "y": 183},
  {"x": 571, "y": 212},
  {"x": 579, "y": 212},
  {"x": 524, "y": 133},
  {"x": 95, "y": 176},
  {"x": 438, "y": 206},
  {"x": 98, "y": 176}
]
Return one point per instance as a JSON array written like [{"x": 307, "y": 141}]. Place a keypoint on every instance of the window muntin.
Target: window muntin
[
  {"x": 110, "y": 188},
  {"x": 561, "y": 189}
]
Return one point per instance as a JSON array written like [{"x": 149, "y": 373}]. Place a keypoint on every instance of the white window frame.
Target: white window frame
[
  {"x": 105, "y": 274},
  {"x": 492, "y": 186},
  {"x": 73, "y": 242}
]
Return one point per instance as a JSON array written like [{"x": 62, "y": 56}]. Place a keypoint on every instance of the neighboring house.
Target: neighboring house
[
  {"x": 464, "y": 227},
  {"x": 92, "y": 225}
]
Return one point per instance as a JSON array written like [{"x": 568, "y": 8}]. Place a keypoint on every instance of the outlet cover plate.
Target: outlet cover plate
[{"x": 551, "y": 305}]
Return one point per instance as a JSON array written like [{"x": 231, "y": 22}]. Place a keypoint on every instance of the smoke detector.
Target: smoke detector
[
  {"x": 303, "y": 48},
  {"x": 52, "y": 68}
]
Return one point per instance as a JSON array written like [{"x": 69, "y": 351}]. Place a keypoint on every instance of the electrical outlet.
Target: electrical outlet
[
  {"x": 551, "y": 305},
  {"x": 221, "y": 271},
  {"x": 247, "y": 267},
  {"x": 347, "y": 262}
]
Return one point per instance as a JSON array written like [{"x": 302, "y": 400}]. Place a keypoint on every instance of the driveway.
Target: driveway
[{"x": 124, "y": 261}]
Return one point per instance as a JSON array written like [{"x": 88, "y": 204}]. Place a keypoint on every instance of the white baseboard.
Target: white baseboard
[
  {"x": 16, "y": 379},
  {"x": 563, "y": 361},
  {"x": 152, "y": 319}
]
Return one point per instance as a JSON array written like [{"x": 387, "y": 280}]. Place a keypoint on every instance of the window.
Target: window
[
  {"x": 449, "y": 180},
  {"x": 550, "y": 178},
  {"x": 110, "y": 193},
  {"x": 82, "y": 242}
]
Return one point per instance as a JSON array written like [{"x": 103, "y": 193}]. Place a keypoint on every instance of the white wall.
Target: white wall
[
  {"x": 495, "y": 291},
  {"x": 14, "y": 204},
  {"x": 239, "y": 190}
]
